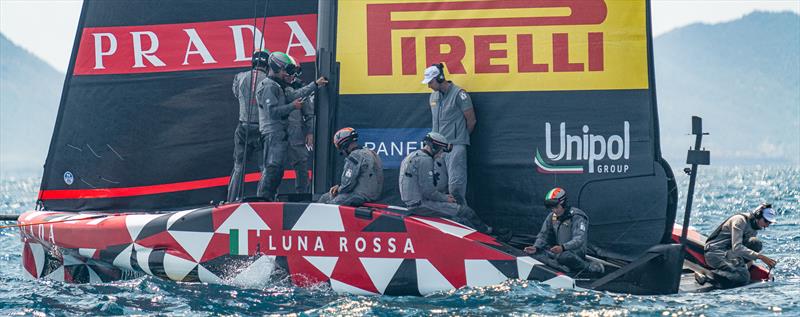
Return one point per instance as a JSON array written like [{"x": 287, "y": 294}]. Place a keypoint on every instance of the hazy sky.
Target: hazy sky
[{"x": 47, "y": 27}]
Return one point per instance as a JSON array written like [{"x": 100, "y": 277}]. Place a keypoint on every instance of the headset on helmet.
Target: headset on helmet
[
  {"x": 260, "y": 58},
  {"x": 343, "y": 138},
  {"x": 556, "y": 196},
  {"x": 279, "y": 60},
  {"x": 440, "y": 78},
  {"x": 437, "y": 142}
]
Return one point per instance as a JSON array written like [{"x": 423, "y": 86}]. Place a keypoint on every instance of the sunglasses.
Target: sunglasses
[{"x": 551, "y": 203}]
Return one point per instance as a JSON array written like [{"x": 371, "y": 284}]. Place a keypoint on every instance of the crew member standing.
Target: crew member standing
[
  {"x": 362, "y": 176},
  {"x": 454, "y": 118},
  {"x": 273, "y": 115},
  {"x": 733, "y": 246},
  {"x": 246, "y": 138},
  {"x": 564, "y": 235},
  {"x": 300, "y": 128}
]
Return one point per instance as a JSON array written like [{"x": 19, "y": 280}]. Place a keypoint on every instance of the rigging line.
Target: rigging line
[{"x": 253, "y": 83}]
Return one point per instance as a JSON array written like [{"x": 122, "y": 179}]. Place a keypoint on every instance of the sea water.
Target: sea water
[{"x": 720, "y": 192}]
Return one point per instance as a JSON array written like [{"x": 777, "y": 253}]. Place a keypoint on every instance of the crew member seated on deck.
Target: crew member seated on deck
[
  {"x": 733, "y": 245},
  {"x": 564, "y": 235},
  {"x": 421, "y": 187},
  {"x": 362, "y": 177}
]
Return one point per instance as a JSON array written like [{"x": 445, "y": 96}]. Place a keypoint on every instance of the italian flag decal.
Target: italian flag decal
[{"x": 545, "y": 168}]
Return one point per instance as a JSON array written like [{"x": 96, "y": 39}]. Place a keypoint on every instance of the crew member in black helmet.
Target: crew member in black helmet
[
  {"x": 564, "y": 235},
  {"x": 733, "y": 245},
  {"x": 300, "y": 128},
  {"x": 362, "y": 177},
  {"x": 247, "y": 134}
]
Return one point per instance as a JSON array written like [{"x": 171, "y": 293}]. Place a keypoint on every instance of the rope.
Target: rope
[{"x": 253, "y": 78}]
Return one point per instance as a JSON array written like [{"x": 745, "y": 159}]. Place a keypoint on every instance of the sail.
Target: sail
[
  {"x": 564, "y": 95},
  {"x": 147, "y": 115}
]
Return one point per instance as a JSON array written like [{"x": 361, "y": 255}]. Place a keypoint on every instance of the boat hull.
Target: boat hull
[{"x": 367, "y": 250}]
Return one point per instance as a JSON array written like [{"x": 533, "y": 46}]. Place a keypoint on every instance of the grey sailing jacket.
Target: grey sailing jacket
[
  {"x": 730, "y": 236},
  {"x": 420, "y": 180},
  {"x": 571, "y": 233},
  {"x": 244, "y": 86},
  {"x": 362, "y": 174}
]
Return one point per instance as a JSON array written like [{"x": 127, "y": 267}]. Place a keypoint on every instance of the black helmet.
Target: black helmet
[
  {"x": 343, "y": 138},
  {"x": 556, "y": 196},
  {"x": 437, "y": 142},
  {"x": 260, "y": 59}
]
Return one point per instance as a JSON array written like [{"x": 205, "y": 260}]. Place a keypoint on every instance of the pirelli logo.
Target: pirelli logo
[{"x": 490, "y": 45}]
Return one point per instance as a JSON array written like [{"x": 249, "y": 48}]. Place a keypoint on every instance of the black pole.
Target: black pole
[
  {"x": 694, "y": 157},
  {"x": 326, "y": 97}
]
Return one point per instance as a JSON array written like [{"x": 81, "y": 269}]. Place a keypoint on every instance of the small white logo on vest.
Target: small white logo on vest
[
  {"x": 68, "y": 178},
  {"x": 463, "y": 95}
]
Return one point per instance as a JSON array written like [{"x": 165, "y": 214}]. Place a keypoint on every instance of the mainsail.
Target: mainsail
[
  {"x": 147, "y": 115},
  {"x": 564, "y": 94}
]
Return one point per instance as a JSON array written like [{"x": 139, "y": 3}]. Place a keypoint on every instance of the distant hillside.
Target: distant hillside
[
  {"x": 743, "y": 78},
  {"x": 30, "y": 91}
]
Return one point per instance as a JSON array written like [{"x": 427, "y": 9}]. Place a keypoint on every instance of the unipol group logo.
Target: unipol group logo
[
  {"x": 487, "y": 50},
  {"x": 584, "y": 151}
]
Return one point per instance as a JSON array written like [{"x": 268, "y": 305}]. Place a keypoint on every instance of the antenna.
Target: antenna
[{"x": 696, "y": 156}]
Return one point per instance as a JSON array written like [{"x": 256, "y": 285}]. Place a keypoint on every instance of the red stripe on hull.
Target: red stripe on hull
[{"x": 96, "y": 193}]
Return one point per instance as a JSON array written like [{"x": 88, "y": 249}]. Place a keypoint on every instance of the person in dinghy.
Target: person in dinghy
[
  {"x": 733, "y": 246},
  {"x": 362, "y": 176},
  {"x": 564, "y": 235}
]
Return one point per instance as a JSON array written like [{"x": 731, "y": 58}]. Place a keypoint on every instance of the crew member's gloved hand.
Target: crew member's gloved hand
[
  {"x": 530, "y": 250},
  {"x": 557, "y": 249},
  {"x": 322, "y": 81}
]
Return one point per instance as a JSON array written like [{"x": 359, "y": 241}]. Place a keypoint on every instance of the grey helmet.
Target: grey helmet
[{"x": 437, "y": 142}]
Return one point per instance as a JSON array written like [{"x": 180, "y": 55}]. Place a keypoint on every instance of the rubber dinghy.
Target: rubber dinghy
[{"x": 365, "y": 250}]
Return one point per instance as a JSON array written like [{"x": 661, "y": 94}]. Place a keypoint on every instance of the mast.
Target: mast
[
  {"x": 696, "y": 156},
  {"x": 327, "y": 97}
]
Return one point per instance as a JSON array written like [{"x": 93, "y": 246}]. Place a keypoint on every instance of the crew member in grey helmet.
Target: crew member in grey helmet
[
  {"x": 362, "y": 176},
  {"x": 421, "y": 178},
  {"x": 564, "y": 235},
  {"x": 246, "y": 138},
  {"x": 453, "y": 117},
  {"x": 733, "y": 246},
  {"x": 300, "y": 129},
  {"x": 273, "y": 115}
]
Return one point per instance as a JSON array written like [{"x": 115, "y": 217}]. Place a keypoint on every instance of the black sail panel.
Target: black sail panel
[
  {"x": 147, "y": 114},
  {"x": 564, "y": 96}
]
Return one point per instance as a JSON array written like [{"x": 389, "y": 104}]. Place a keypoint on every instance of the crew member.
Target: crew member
[
  {"x": 564, "y": 235},
  {"x": 246, "y": 138},
  {"x": 300, "y": 129},
  {"x": 421, "y": 178},
  {"x": 733, "y": 246},
  {"x": 454, "y": 118},
  {"x": 362, "y": 177},
  {"x": 273, "y": 113}
]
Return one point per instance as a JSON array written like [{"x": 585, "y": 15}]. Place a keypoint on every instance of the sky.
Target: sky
[{"x": 47, "y": 27}]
